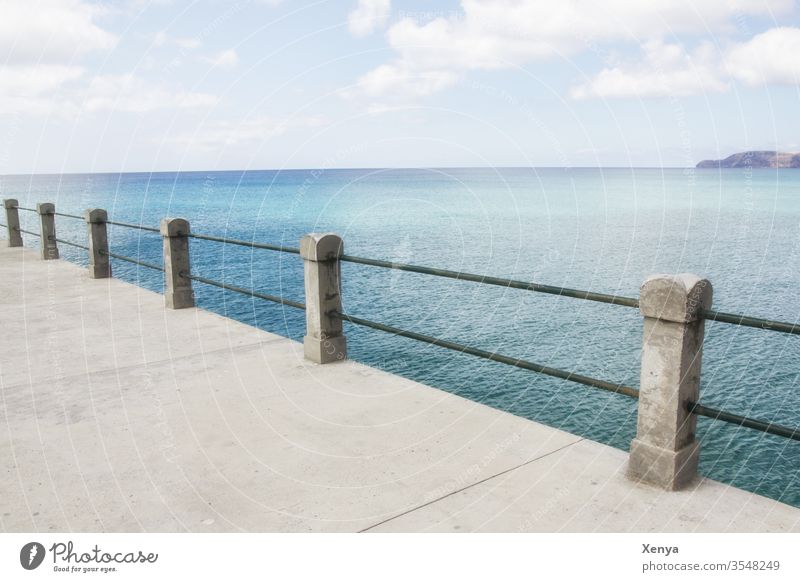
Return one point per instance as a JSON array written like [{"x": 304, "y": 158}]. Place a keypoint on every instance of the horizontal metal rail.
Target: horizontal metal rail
[
  {"x": 27, "y": 209},
  {"x": 72, "y": 244},
  {"x": 131, "y": 260},
  {"x": 244, "y": 243},
  {"x": 501, "y": 282},
  {"x": 768, "y": 427},
  {"x": 136, "y": 226},
  {"x": 69, "y": 215},
  {"x": 709, "y": 314},
  {"x": 495, "y": 357},
  {"x": 748, "y": 321},
  {"x": 243, "y": 291}
]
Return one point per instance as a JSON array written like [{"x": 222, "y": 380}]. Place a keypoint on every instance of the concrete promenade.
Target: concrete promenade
[{"x": 120, "y": 415}]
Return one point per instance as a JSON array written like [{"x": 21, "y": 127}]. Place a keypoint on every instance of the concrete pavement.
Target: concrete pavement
[{"x": 120, "y": 415}]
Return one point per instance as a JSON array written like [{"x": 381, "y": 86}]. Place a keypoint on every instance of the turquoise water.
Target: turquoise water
[{"x": 598, "y": 229}]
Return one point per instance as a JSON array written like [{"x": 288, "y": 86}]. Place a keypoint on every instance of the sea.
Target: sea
[{"x": 598, "y": 229}]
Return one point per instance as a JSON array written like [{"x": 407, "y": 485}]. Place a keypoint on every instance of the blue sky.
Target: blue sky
[{"x": 137, "y": 85}]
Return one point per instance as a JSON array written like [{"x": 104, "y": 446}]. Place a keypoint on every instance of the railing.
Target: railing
[{"x": 664, "y": 451}]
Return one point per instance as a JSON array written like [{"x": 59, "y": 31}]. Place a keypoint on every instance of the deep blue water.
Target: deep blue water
[{"x": 598, "y": 229}]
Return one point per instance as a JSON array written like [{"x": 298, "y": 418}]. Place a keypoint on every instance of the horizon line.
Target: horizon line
[{"x": 362, "y": 168}]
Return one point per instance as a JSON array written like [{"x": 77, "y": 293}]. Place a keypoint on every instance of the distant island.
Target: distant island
[{"x": 755, "y": 160}]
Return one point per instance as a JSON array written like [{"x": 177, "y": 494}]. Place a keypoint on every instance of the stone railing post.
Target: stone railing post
[
  {"x": 99, "y": 261},
  {"x": 664, "y": 452},
  {"x": 47, "y": 217},
  {"x": 12, "y": 221},
  {"x": 323, "y": 342},
  {"x": 178, "y": 292}
]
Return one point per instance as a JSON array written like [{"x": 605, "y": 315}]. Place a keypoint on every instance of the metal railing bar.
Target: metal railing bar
[
  {"x": 136, "y": 226},
  {"x": 69, "y": 215},
  {"x": 72, "y": 244},
  {"x": 768, "y": 427},
  {"x": 26, "y": 209},
  {"x": 244, "y": 243},
  {"x": 28, "y": 232},
  {"x": 243, "y": 291},
  {"x": 747, "y": 321},
  {"x": 499, "y": 281},
  {"x": 708, "y": 314},
  {"x": 131, "y": 260},
  {"x": 516, "y": 362}
]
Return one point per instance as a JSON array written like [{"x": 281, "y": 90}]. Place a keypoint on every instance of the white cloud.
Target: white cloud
[
  {"x": 50, "y": 90},
  {"x": 35, "y": 90},
  {"x": 225, "y": 59},
  {"x": 42, "y": 42},
  {"x": 32, "y": 81},
  {"x": 497, "y": 34},
  {"x": 226, "y": 134},
  {"x": 368, "y": 16},
  {"x": 54, "y": 90},
  {"x": 403, "y": 80},
  {"x": 130, "y": 93},
  {"x": 668, "y": 70},
  {"x": 50, "y": 31},
  {"x": 381, "y": 108},
  {"x": 665, "y": 71},
  {"x": 161, "y": 38},
  {"x": 770, "y": 57}
]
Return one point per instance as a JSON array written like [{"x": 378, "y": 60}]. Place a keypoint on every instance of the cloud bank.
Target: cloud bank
[{"x": 432, "y": 55}]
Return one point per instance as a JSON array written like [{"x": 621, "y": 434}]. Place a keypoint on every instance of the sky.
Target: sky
[{"x": 160, "y": 85}]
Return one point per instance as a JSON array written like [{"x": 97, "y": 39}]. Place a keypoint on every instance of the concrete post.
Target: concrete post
[
  {"x": 178, "y": 292},
  {"x": 12, "y": 221},
  {"x": 323, "y": 342},
  {"x": 99, "y": 263},
  {"x": 47, "y": 217},
  {"x": 664, "y": 452}
]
